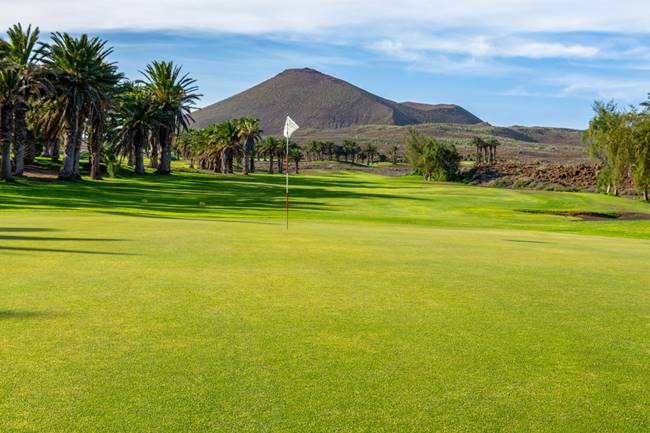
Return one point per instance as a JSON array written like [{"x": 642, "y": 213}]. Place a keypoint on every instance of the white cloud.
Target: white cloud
[
  {"x": 414, "y": 46},
  {"x": 601, "y": 88},
  {"x": 303, "y": 16}
]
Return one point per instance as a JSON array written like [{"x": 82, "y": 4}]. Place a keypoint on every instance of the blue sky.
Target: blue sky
[{"x": 516, "y": 62}]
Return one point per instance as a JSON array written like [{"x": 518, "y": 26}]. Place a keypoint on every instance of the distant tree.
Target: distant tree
[
  {"x": 174, "y": 95},
  {"x": 641, "y": 152},
  {"x": 296, "y": 155},
  {"x": 609, "y": 141},
  {"x": 393, "y": 153},
  {"x": 270, "y": 146},
  {"x": 350, "y": 149},
  {"x": 227, "y": 137},
  {"x": 492, "y": 145},
  {"x": 315, "y": 150},
  {"x": 430, "y": 158},
  {"x": 249, "y": 132},
  {"x": 368, "y": 152},
  {"x": 329, "y": 148},
  {"x": 137, "y": 117}
]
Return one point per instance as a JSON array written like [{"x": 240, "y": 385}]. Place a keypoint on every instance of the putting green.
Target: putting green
[{"x": 389, "y": 306}]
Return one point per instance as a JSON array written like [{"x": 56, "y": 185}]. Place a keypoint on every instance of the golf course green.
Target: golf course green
[{"x": 182, "y": 304}]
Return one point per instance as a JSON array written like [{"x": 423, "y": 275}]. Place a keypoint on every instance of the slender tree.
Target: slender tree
[
  {"x": 296, "y": 155},
  {"x": 137, "y": 117},
  {"x": 174, "y": 95},
  {"x": 227, "y": 138},
  {"x": 248, "y": 132},
  {"x": 85, "y": 82},
  {"x": 23, "y": 52},
  {"x": 9, "y": 93},
  {"x": 270, "y": 146}
]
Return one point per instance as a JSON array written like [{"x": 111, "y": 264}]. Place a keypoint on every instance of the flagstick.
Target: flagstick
[{"x": 286, "y": 167}]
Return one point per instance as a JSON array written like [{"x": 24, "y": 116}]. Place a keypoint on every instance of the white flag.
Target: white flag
[{"x": 290, "y": 127}]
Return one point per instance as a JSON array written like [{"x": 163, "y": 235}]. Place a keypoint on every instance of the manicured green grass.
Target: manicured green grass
[{"x": 389, "y": 306}]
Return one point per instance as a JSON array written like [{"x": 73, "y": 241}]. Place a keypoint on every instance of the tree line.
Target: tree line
[
  {"x": 239, "y": 142},
  {"x": 619, "y": 139},
  {"x": 66, "y": 92}
]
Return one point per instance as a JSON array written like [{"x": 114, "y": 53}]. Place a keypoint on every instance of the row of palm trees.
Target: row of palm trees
[
  {"x": 68, "y": 90},
  {"x": 347, "y": 151},
  {"x": 218, "y": 146}
]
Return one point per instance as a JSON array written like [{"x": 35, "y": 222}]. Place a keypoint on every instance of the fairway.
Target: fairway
[{"x": 181, "y": 303}]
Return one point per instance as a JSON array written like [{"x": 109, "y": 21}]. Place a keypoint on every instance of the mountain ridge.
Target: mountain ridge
[{"x": 317, "y": 100}]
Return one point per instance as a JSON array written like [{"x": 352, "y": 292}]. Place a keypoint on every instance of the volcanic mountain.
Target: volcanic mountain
[{"x": 316, "y": 100}]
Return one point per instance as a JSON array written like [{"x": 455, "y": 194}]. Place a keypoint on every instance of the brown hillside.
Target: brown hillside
[
  {"x": 316, "y": 100},
  {"x": 443, "y": 113},
  {"x": 520, "y": 143}
]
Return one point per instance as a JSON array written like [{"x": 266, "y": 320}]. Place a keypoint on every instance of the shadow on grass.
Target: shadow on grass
[
  {"x": 190, "y": 218},
  {"x": 25, "y": 229},
  {"x": 58, "y": 250},
  {"x": 523, "y": 241},
  {"x": 188, "y": 194},
  {"x": 23, "y": 314},
  {"x": 43, "y": 238}
]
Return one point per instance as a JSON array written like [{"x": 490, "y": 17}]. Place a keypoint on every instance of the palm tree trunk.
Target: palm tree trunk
[
  {"x": 246, "y": 163},
  {"x": 96, "y": 151},
  {"x": 231, "y": 160},
  {"x": 20, "y": 137},
  {"x": 153, "y": 141},
  {"x": 139, "y": 159},
  {"x": 252, "y": 167},
  {"x": 56, "y": 149},
  {"x": 296, "y": 167},
  {"x": 166, "y": 152},
  {"x": 77, "y": 155},
  {"x": 141, "y": 143},
  {"x": 270, "y": 162},
  {"x": 224, "y": 161},
  {"x": 280, "y": 170},
  {"x": 30, "y": 150},
  {"x": 96, "y": 162},
  {"x": 131, "y": 159},
  {"x": 67, "y": 171},
  {"x": 6, "y": 128}
]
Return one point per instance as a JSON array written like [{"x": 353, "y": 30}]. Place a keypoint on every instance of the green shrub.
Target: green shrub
[{"x": 431, "y": 158}]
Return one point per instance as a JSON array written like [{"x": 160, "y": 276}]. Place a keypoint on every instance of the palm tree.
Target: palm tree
[
  {"x": 492, "y": 145},
  {"x": 137, "y": 116},
  {"x": 9, "y": 93},
  {"x": 248, "y": 130},
  {"x": 481, "y": 147},
  {"x": 22, "y": 52},
  {"x": 44, "y": 120},
  {"x": 174, "y": 94},
  {"x": 393, "y": 151},
  {"x": 315, "y": 149},
  {"x": 210, "y": 150},
  {"x": 296, "y": 156},
  {"x": 85, "y": 82},
  {"x": 228, "y": 141},
  {"x": 270, "y": 146}
]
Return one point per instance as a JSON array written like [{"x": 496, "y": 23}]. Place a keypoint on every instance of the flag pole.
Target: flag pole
[{"x": 286, "y": 167}]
